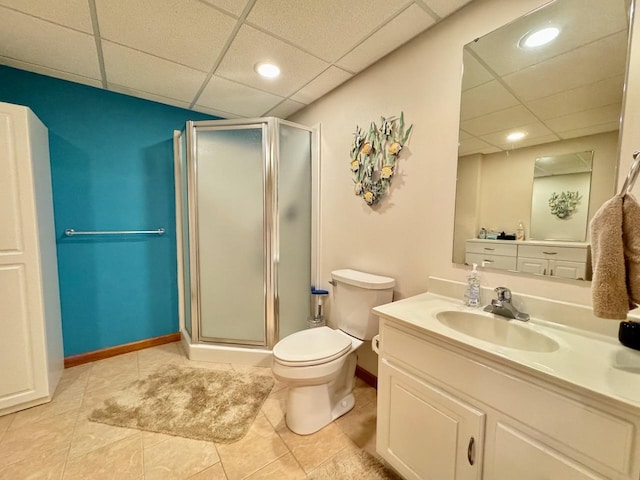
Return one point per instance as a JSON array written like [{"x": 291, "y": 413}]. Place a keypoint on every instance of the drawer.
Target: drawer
[
  {"x": 571, "y": 254},
  {"x": 495, "y": 247},
  {"x": 491, "y": 261}
]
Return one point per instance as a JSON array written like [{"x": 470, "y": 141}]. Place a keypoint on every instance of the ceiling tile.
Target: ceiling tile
[
  {"x": 580, "y": 21},
  {"x": 51, "y": 46},
  {"x": 50, "y": 72},
  {"x": 445, "y": 7},
  {"x": 533, "y": 130},
  {"x": 605, "y": 92},
  {"x": 228, "y": 96},
  {"x": 498, "y": 121},
  {"x": 582, "y": 132},
  {"x": 474, "y": 73},
  {"x": 572, "y": 69},
  {"x": 234, "y": 7},
  {"x": 486, "y": 98},
  {"x": 286, "y": 108},
  {"x": 147, "y": 96},
  {"x": 327, "y": 28},
  {"x": 70, "y": 13},
  {"x": 213, "y": 111},
  {"x": 475, "y": 145},
  {"x": 252, "y": 46},
  {"x": 140, "y": 71},
  {"x": 585, "y": 118},
  {"x": 322, "y": 84},
  {"x": 187, "y": 32},
  {"x": 394, "y": 33},
  {"x": 528, "y": 142}
]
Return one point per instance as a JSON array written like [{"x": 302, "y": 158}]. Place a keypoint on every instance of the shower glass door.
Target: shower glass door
[{"x": 229, "y": 166}]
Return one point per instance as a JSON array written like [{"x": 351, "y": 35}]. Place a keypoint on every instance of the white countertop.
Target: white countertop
[
  {"x": 555, "y": 243},
  {"x": 584, "y": 360}
]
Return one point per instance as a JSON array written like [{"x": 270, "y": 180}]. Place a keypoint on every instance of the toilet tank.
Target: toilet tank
[{"x": 354, "y": 295}]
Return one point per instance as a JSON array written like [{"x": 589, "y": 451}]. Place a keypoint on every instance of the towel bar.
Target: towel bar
[
  {"x": 70, "y": 232},
  {"x": 632, "y": 175}
]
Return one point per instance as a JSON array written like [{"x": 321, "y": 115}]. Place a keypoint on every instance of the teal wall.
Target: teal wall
[{"x": 112, "y": 169}]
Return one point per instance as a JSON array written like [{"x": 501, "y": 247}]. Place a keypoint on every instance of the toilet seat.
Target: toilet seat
[{"x": 312, "y": 347}]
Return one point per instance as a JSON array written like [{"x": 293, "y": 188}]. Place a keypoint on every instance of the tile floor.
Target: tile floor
[{"x": 56, "y": 441}]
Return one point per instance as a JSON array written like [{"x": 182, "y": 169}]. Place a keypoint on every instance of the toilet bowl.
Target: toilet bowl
[{"x": 318, "y": 365}]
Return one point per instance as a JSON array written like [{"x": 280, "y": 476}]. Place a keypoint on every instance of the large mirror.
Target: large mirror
[{"x": 547, "y": 86}]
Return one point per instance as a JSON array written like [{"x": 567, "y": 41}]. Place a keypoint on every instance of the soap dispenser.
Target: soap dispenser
[
  {"x": 520, "y": 231},
  {"x": 472, "y": 292}
]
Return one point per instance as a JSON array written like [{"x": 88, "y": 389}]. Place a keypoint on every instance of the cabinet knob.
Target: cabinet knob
[{"x": 471, "y": 451}]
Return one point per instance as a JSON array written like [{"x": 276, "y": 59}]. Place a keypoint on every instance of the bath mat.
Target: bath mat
[
  {"x": 354, "y": 465},
  {"x": 216, "y": 406}
]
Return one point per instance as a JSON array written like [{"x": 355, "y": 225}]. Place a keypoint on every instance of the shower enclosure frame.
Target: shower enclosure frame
[{"x": 270, "y": 128}]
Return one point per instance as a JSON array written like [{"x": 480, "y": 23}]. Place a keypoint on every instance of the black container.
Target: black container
[{"x": 629, "y": 334}]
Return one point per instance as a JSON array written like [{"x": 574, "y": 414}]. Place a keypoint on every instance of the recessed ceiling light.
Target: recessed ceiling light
[
  {"x": 537, "y": 38},
  {"x": 515, "y": 136},
  {"x": 268, "y": 70}
]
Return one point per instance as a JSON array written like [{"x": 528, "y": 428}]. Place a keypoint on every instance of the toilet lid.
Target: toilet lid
[{"x": 312, "y": 347}]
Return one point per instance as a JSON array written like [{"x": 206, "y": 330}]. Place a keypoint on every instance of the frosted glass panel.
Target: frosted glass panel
[
  {"x": 230, "y": 234},
  {"x": 186, "y": 267},
  {"x": 294, "y": 205}
]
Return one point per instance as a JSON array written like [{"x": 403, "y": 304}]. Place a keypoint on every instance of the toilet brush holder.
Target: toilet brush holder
[{"x": 629, "y": 334}]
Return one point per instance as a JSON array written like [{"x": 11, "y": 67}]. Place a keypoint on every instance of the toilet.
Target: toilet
[{"x": 318, "y": 365}]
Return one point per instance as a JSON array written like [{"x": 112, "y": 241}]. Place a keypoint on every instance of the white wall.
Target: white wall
[{"x": 409, "y": 235}]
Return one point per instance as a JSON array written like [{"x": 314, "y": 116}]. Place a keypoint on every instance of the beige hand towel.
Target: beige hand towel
[
  {"x": 608, "y": 285},
  {"x": 631, "y": 240}
]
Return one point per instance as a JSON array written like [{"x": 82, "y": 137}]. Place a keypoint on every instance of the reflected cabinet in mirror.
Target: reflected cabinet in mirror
[{"x": 539, "y": 121}]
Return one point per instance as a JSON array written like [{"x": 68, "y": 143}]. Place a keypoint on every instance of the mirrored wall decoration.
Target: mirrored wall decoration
[{"x": 373, "y": 157}]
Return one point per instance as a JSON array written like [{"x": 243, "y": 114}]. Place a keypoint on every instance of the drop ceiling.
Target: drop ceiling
[
  {"x": 570, "y": 88},
  {"x": 201, "y": 54}
]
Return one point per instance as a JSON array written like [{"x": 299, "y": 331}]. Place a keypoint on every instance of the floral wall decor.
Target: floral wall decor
[
  {"x": 374, "y": 154},
  {"x": 563, "y": 204}
]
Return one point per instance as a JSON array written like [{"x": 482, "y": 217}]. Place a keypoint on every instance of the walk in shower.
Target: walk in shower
[{"x": 246, "y": 217}]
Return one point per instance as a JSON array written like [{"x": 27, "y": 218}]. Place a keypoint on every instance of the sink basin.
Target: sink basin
[{"x": 507, "y": 333}]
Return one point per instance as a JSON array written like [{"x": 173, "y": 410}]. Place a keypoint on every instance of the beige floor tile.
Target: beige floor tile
[
  {"x": 284, "y": 468},
  {"x": 5, "y": 423},
  {"x": 153, "y": 438},
  {"x": 35, "y": 438},
  {"x": 312, "y": 450},
  {"x": 95, "y": 398},
  {"x": 216, "y": 472},
  {"x": 116, "y": 380},
  {"x": 120, "y": 460},
  {"x": 66, "y": 398},
  {"x": 117, "y": 364},
  {"x": 89, "y": 436},
  {"x": 41, "y": 466},
  {"x": 363, "y": 393},
  {"x": 274, "y": 408},
  {"x": 258, "y": 448},
  {"x": 178, "y": 458},
  {"x": 360, "y": 426}
]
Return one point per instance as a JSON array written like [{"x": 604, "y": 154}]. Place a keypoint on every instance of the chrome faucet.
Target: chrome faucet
[{"x": 503, "y": 306}]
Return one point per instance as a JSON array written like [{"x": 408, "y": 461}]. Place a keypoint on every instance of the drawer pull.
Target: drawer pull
[
  {"x": 471, "y": 451},
  {"x": 488, "y": 248},
  {"x": 550, "y": 253},
  {"x": 488, "y": 261}
]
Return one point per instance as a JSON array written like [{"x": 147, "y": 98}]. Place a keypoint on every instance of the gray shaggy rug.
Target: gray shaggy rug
[
  {"x": 217, "y": 406},
  {"x": 353, "y": 465}
]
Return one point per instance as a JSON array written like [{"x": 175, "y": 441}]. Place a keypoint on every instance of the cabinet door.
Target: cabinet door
[
  {"x": 517, "y": 456},
  {"x": 564, "y": 269},
  {"x": 424, "y": 432},
  {"x": 537, "y": 266}
]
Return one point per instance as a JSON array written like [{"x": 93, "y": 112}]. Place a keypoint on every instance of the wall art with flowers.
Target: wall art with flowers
[{"x": 374, "y": 154}]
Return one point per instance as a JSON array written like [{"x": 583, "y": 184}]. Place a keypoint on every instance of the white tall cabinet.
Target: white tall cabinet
[{"x": 31, "y": 354}]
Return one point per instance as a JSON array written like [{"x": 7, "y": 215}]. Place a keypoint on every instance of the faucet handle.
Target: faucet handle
[{"x": 504, "y": 294}]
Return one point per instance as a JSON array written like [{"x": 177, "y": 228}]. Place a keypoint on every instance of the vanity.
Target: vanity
[
  {"x": 553, "y": 259},
  {"x": 464, "y": 394}
]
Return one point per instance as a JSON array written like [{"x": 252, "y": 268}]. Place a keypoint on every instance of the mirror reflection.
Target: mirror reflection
[{"x": 546, "y": 86}]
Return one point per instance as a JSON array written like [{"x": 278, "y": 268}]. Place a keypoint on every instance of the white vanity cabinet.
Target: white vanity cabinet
[{"x": 447, "y": 412}]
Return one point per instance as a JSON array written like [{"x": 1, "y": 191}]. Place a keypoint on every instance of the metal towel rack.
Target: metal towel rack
[
  {"x": 70, "y": 232},
  {"x": 632, "y": 175}
]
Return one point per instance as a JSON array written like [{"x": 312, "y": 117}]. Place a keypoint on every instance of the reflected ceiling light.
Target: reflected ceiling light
[
  {"x": 268, "y": 70},
  {"x": 537, "y": 38},
  {"x": 515, "y": 136}
]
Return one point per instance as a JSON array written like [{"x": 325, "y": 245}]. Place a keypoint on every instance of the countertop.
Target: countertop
[{"x": 585, "y": 361}]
